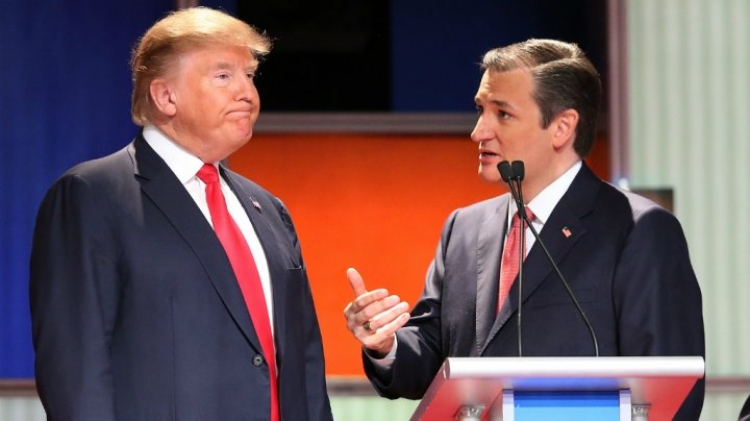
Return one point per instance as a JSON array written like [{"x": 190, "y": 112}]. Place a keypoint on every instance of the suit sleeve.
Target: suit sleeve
[
  {"x": 420, "y": 351},
  {"x": 318, "y": 404},
  {"x": 658, "y": 299},
  {"x": 73, "y": 303},
  {"x": 317, "y": 394}
]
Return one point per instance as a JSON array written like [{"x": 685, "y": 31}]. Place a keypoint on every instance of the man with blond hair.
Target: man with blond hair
[{"x": 163, "y": 285}]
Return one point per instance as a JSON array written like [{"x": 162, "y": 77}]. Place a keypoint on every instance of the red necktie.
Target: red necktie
[
  {"x": 243, "y": 264},
  {"x": 510, "y": 260}
]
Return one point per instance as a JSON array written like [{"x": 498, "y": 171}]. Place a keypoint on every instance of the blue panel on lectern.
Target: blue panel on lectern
[{"x": 566, "y": 406}]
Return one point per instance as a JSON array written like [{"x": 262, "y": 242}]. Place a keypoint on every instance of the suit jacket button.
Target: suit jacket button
[{"x": 258, "y": 360}]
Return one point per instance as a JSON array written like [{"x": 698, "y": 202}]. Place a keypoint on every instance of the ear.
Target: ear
[
  {"x": 163, "y": 97},
  {"x": 564, "y": 128}
]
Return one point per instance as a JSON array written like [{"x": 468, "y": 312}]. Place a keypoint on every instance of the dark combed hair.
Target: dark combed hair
[{"x": 564, "y": 78}]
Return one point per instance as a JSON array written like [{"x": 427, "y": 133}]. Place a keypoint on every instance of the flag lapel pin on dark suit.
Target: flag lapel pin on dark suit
[
  {"x": 256, "y": 204},
  {"x": 567, "y": 232}
]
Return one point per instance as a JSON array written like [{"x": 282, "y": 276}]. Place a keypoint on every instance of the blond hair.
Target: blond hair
[{"x": 180, "y": 32}]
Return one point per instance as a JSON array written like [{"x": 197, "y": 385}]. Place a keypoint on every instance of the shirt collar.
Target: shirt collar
[
  {"x": 182, "y": 163},
  {"x": 544, "y": 203}
]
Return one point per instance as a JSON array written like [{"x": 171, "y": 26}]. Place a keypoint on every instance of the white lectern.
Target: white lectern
[{"x": 560, "y": 388}]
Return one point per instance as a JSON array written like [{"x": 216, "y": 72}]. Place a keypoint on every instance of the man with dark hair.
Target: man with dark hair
[
  {"x": 163, "y": 285},
  {"x": 624, "y": 257}
]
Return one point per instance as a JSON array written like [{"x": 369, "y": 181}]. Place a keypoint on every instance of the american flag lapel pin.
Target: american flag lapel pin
[
  {"x": 255, "y": 203},
  {"x": 566, "y": 232}
]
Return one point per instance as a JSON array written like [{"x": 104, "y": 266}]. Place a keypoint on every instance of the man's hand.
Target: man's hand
[{"x": 374, "y": 317}]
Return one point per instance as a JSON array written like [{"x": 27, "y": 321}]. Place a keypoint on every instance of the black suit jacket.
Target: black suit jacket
[
  {"x": 136, "y": 312},
  {"x": 625, "y": 258},
  {"x": 745, "y": 411}
]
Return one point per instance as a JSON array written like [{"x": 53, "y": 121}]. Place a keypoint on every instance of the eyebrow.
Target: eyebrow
[
  {"x": 223, "y": 65},
  {"x": 496, "y": 102}
]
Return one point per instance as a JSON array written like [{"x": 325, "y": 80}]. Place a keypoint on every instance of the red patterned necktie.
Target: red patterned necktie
[
  {"x": 243, "y": 264},
  {"x": 510, "y": 259}
]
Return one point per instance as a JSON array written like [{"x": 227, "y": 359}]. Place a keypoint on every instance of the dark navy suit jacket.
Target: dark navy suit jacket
[
  {"x": 624, "y": 257},
  {"x": 745, "y": 412},
  {"x": 136, "y": 312}
]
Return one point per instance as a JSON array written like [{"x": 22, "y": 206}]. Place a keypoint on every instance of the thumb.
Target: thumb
[{"x": 356, "y": 281}]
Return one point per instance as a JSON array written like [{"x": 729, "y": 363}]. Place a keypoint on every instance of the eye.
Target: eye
[
  {"x": 250, "y": 75},
  {"x": 222, "y": 76},
  {"x": 503, "y": 115}
]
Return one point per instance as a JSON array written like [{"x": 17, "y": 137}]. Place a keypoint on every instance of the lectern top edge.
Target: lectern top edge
[
  {"x": 490, "y": 385},
  {"x": 691, "y": 366}
]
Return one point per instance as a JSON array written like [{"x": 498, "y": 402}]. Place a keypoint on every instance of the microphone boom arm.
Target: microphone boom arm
[{"x": 513, "y": 174}]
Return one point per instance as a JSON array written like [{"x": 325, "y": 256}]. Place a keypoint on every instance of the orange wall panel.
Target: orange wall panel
[{"x": 373, "y": 202}]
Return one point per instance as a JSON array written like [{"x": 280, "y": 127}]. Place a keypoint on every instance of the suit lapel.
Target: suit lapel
[
  {"x": 163, "y": 188},
  {"x": 560, "y": 233},
  {"x": 266, "y": 235},
  {"x": 537, "y": 266},
  {"x": 489, "y": 248}
]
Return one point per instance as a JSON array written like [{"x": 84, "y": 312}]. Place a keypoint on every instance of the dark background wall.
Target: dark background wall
[
  {"x": 65, "y": 81},
  {"x": 64, "y": 98},
  {"x": 402, "y": 56}
]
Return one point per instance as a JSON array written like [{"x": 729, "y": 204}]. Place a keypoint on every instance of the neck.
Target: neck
[{"x": 535, "y": 183}]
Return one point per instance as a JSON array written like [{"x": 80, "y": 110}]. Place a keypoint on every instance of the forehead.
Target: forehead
[
  {"x": 512, "y": 87},
  {"x": 211, "y": 57}
]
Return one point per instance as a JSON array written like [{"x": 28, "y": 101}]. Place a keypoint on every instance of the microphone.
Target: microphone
[
  {"x": 506, "y": 172},
  {"x": 513, "y": 174},
  {"x": 509, "y": 175}
]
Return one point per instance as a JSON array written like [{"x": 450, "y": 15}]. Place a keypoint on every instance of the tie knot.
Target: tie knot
[
  {"x": 208, "y": 174},
  {"x": 529, "y": 214}
]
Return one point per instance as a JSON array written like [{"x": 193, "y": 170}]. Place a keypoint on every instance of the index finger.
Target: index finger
[{"x": 356, "y": 281}]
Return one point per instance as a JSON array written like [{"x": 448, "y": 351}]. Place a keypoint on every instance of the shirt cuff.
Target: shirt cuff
[{"x": 386, "y": 361}]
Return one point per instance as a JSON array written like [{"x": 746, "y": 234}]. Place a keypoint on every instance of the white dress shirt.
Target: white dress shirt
[
  {"x": 185, "y": 166},
  {"x": 541, "y": 206}
]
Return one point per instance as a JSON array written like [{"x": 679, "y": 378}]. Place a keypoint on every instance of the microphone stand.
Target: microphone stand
[
  {"x": 514, "y": 174},
  {"x": 513, "y": 179}
]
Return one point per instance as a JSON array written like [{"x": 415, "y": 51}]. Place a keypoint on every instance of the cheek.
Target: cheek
[
  {"x": 199, "y": 108},
  {"x": 242, "y": 127},
  {"x": 524, "y": 139}
]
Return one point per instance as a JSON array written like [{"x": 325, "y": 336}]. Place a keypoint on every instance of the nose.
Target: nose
[
  {"x": 246, "y": 90},
  {"x": 480, "y": 132}
]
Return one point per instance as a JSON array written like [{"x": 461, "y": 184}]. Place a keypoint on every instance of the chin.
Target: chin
[
  {"x": 243, "y": 136},
  {"x": 243, "y": 129},
  {"x": 489, "y": 176}
]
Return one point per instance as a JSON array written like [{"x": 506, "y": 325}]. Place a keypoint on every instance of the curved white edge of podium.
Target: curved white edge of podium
[{"x": 550, "y": 367}]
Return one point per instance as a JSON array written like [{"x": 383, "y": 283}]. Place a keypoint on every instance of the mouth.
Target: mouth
[
  {"x": 241, "y": 112},
  {"x": 487, "y": 156}
]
